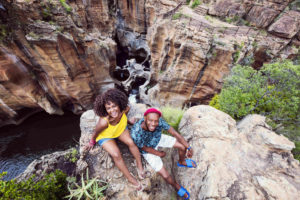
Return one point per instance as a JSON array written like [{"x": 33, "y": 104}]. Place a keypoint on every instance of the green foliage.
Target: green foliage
[
  {"x": 296, "y": 151},
  {"x": 88, "y": 188},
  {"x": 52, "y": 186},
  {"x": 72, "y": 156},
  {"x": 172, "y": 115},
  {"x": 195, "y": 4},
  {"x": 232, "y": 19},
  {"x": 176, "y": 16},
  {"x": 3, "y": 32},
  {"x": 273, "y": 91},
  {"x": 66, "y": 6},
  {"x": 188, "y": 1},
  {"x": 215, "y": 101}
]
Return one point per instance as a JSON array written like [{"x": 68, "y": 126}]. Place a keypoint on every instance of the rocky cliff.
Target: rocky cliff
[
  {"x": 58, "y": 54},
  {"x": 235, "y": 161}
]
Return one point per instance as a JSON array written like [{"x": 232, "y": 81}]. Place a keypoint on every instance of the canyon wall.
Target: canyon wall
[{"x": 57, "y": 55}]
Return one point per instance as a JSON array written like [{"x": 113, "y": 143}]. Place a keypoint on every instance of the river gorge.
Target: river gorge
[{"x": 56, "y": 56}]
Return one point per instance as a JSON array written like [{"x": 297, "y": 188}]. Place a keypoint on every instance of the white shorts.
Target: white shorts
[{"x": 155, "y": 161}]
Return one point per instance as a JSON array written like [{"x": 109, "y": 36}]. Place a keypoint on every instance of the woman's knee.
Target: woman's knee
[{"x": 116, "y": 155}]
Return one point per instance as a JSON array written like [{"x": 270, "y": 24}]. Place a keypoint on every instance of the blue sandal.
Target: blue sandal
[
  {"x": 189, "y": 163},
  {"x": 182, "y": 191}
]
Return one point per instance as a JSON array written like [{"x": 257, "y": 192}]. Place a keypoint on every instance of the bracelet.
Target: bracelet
[
  {"x": 189, "y": 148},
  {"x": 92, "y": 142}
]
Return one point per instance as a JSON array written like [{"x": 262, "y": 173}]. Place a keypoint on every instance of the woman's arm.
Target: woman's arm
[{"x": 101, "y": 125}]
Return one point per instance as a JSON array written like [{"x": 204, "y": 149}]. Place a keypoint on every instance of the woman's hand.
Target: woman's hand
[{"x": 90, "y": 145}]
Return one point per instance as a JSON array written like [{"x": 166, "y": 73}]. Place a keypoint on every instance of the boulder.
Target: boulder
[
  {"x": 243, "y": 161},
  {"x": 287, "y": 25}
]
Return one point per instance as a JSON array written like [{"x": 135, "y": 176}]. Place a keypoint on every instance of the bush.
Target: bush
[
  {"x": 195, "y": 3},
  {"x": 172, "y": 116},
  {"x": 296, "y": 151},
  {"x": 53, "y": 186},
  {"x": 273, "y": 92},
  {"x": 176, "y": 16},
  {"x": 66, "y": 6}
]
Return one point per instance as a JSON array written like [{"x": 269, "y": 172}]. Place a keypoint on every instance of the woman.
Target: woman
[{"x": 112, "y": 108}]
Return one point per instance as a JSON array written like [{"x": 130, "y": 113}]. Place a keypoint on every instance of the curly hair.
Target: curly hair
[{"x": 114, "y": 95}]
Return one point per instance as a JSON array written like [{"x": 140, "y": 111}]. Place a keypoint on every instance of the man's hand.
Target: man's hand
[
  {"x": 189, "y": 153},
  {"x": 161, "y": 154}
]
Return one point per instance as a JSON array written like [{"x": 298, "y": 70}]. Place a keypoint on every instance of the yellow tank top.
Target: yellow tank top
[{"x": 113, "y": 131}]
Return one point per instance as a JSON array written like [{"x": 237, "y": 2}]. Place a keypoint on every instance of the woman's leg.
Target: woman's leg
[
  {"x": 114, "y": 151},
  {"x": 126, "y": 138}
]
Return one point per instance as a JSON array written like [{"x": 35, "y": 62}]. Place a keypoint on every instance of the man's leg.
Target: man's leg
[
  {"x": 182, "y": 153},
  {"x": 168, "y": 178}
]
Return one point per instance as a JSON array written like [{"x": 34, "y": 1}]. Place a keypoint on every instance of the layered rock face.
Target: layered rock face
[
  {"x": 56, "y": 60},
  {"x": 57, "y": 56},
  {"x": 193, "y": 52},
  {"x": 235, "y": 161}
]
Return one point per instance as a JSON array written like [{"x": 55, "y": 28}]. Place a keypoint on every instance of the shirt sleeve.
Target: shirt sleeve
[
  {"x": 164, "y": 124},
  {"x": 136, "y": 135}
]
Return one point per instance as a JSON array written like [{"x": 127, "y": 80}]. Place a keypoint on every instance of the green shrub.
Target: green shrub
[
  {"x": 195, "y": 4},
  {"x": 72, "y": 156},
  {"x": 296, "y": 151},
  {"x": 53, "y": 186},
  {"x": 273, "y": 92},
  {"x": 215, "y": 101},
  {"x": 172, "y": 116},
  {"x": 176, "y": 16},
  {"x": 66, "y": 6}
]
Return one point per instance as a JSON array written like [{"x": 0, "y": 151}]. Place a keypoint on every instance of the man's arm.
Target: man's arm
[
  {"x": 153, "y": 151},
  {"x": 181, "y": 140}
]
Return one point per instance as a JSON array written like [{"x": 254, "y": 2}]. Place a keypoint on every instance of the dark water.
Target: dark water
[{"x": 36, "y": 136}]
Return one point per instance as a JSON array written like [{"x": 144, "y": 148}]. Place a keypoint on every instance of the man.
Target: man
[{"x": 147, "y": 135}]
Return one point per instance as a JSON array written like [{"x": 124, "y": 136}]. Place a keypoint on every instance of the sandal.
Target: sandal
[{"x": 182, "y": 191}]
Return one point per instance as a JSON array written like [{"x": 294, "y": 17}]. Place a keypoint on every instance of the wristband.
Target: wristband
[
  {"x": 92, "y": 142},
  {"x": 189, "y": 148}
]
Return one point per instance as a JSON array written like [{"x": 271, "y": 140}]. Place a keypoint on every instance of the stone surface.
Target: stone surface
[
  {"x": 243, "y": 161},
  {"x": 287, "y": 25},
  {"x": 49, "y": 163}
]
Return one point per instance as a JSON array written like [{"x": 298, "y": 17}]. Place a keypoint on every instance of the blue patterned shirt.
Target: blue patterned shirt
[{"x": 143, "y": 138}]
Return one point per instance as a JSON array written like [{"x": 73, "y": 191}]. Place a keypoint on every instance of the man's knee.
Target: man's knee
[
  {"x": 178, "y": 145},
  {"x": 164, "y": 173}
]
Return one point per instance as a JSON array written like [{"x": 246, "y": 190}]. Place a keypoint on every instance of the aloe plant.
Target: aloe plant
[{"x": 88, "y": 189}]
